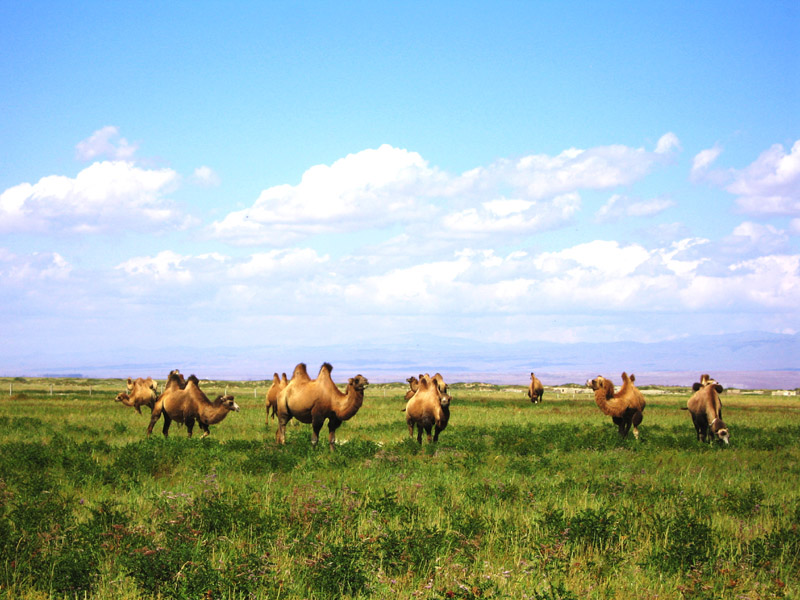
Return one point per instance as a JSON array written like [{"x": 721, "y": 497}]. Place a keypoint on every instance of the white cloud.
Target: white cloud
[
  {"x": 205, "y": 176},
  {"x": 514, "y": 216},
  {"x": 703, "y": 160},
  {"x": 278, "y": 262},
  {"x": 771, "y": 184},
  {"x": 667, "y": 143},
  {"x": 166, "y": 266},
  {"x": 619, "y": 207},
  {"x": 371, "y": 187},
  {"x": 105, "y": 195},
  {"x": 390, "y": 186},
  {"x": 105, "y": 142},
  {"x": 755, "y": 237},
  {"x": 604, "y": 257},
  {"x": 33, "y": 268}
]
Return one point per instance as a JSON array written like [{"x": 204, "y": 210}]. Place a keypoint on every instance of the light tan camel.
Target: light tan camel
[
  {"x": 705, "y": 407},
  {"x": 278, "y": 384},
  {"x": 535, "y": 389},
  {"x": 413, "y": 384},
  {"x": 314, "y": 400},
  {"x": 138, "y": 393},
  {"x": 188, "y": 405},
  {"x": 428, "y": 408},
  {"x": 625, "y": 407}
]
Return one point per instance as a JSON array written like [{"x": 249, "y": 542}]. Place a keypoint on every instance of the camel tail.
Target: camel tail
[{"x": 684, "y": 408}]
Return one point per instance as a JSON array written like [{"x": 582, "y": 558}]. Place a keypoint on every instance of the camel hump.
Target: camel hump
[
  {"x": 300, "y": 371},
  {"x": 326, "y": 367}
]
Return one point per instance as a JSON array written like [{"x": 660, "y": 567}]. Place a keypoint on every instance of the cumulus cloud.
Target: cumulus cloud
[
  {"x": 105, "y": 142},
  {"x": 389, "y": 186},
  {"x": 369, "y": 188},
  {"x": 703, "y": 161},
  {"x": 36, "y": 267},
  {"x": 205, "y": 176},
  {"x": 619, "y": 207},
  {"x": 513, "y": 216},
  {"x": 101, "y": 196},
  {"x": 771, "y": 184}
]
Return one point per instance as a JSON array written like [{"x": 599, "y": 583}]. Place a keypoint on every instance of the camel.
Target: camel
[
  {"x": 625, "y": 407},
  {"x": 314, "y": 400},
  {"x": 138, "y": 393},
  {"x": 705, "y": 407},
  {"x": 535, "y": 389},
  {"x": 188, "y": 405},
  {"x": 278, "y": 383},
  {"x": 413, "y": 384},
  {"x": 428, "y": 408}
]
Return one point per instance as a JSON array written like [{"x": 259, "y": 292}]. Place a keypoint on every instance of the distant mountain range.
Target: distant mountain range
[{"x": 747, "y": 360}]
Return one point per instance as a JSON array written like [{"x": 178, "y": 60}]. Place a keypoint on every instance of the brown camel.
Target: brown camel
[
  {"x": 314, "y": 400},
  {"x": 625, "y": 407},
  {"x": 138, "y": 393},
  {"x": 188, "y": 405},
  {"x": 413, "y": 384},
  {"x": 278, "y": 384},
  {"x": 705, "y": 407},
  {"x": 535, "y": 389},
  {"x": 428, "y": 408}
]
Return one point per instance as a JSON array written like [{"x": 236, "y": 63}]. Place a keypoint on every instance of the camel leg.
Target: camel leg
[
  {"x": 428, "y": 433},
  {"x": 436, "y": 431},
  {"x": 280, "y": 433},
  {"x": 154, "y": 416},
  {"x": 167, "y": 423},
  {"x": 316, "y": 427},
  {"x": 189, "y": 426},
  {"x": 333, "y": 425},
  {"x": 637, "y": 420},
  {"x": 410, "y": 430},
  {"x": 419, "y": 433}
]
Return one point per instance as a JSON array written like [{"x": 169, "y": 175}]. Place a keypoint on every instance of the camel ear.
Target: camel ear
[
  {"x": 696, "y": 386},
  {"x": 130, "y": 381},
  {"x": 633, "y": 378},
  {"x": 719, "y": 388}
]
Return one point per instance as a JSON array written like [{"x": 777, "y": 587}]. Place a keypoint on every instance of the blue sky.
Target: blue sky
[{"x": 301, "y": 174}]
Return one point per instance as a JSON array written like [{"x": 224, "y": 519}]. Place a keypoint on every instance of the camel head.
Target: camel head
[
  {"x": 227, "y": 402},
  {"x": 706, "y": 381},
  {"x": 122, "y": 397},
  {"x": 359, "y": 382},
  {"x": 720, "y": 430},
  {"x": 601, "y": 383}
]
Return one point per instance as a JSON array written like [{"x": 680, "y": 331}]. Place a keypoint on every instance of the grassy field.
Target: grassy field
[{"x": 516, "y": 501}]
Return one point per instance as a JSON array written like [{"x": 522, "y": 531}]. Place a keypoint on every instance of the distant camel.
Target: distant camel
[
  {"x": 139, "y": 392},
  {"x": 625, "y": 407},
  {"x": 278, "y": 383},
  {"x": 188, "y": 405},
  {"x": 535, "y": 389},
  {"x": 314, "y": 400},
  {"x": 705, "y": 407},
  {"x": 413, "y": 384},
  {"x": 428, "y": 408}
]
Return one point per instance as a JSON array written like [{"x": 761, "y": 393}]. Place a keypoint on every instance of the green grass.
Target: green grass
[{"x": 516, "y": 501}]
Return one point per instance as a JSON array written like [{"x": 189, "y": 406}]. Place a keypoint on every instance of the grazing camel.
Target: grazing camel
[
  {"x": 314, "y": 400},
  {"x": 278, "y": 384},
  {"x": 428, "y": 408},
  {"x": 188, "y": 405},
  {"x": 535, "y": 389},
  {"x": 138, "y": 393},
  {"x": 413, "y": 384},
  {"x": 705, "y": 407},
  {"x": 625, "y": 407}
]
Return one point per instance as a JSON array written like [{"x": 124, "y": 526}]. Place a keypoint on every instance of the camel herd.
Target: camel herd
[{"x": 427, "y": 403}]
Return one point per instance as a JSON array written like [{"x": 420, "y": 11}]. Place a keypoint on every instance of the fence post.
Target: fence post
[{"x": 51, "y": 389}]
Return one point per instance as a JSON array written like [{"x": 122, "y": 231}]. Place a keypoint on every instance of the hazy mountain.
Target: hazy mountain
[{"x": 753, "y": 359}]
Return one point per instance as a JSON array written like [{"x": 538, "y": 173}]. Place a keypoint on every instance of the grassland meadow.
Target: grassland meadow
[{"x": 515, "y": 501}]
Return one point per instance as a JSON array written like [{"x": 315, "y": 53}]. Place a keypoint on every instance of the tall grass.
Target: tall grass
[{"x": 516, "y": 501}]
